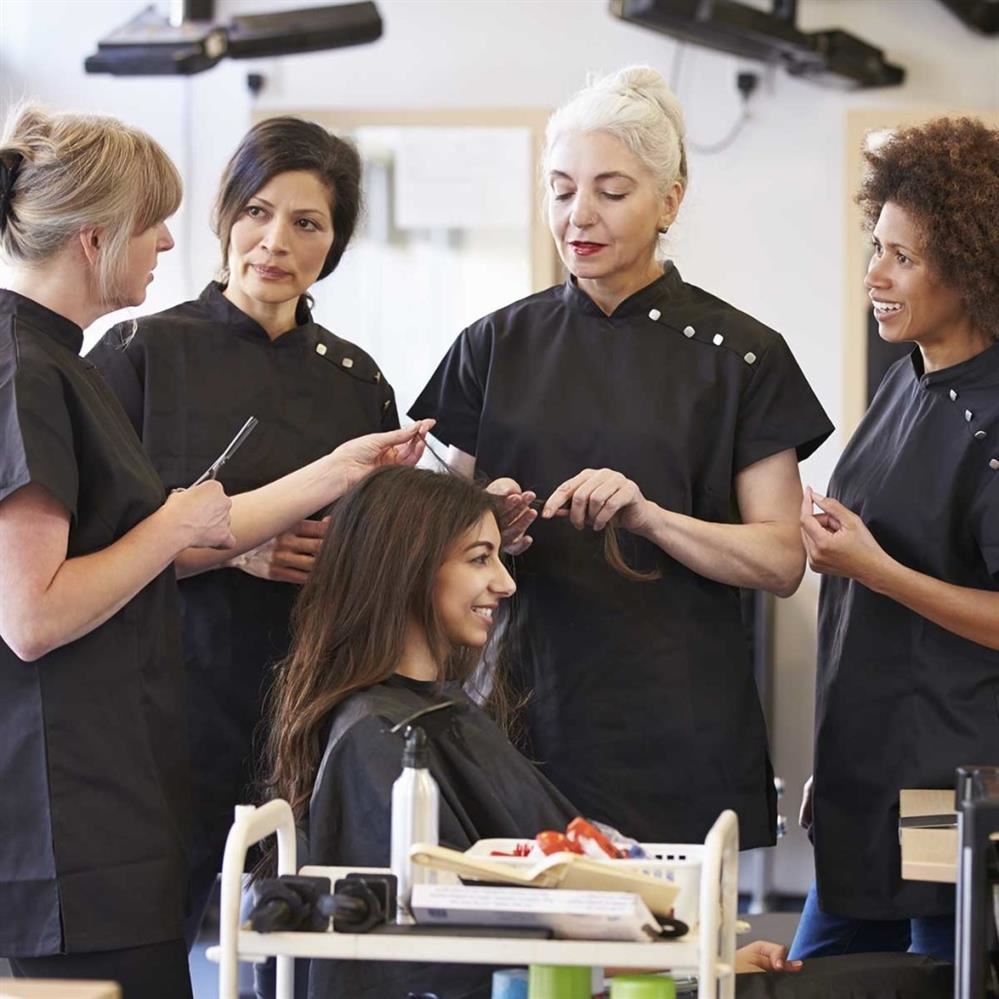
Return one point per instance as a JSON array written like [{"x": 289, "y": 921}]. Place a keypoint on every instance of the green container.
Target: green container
[
  {"x": 549, "y": 981},
  {"x": 642, "y": 987}
]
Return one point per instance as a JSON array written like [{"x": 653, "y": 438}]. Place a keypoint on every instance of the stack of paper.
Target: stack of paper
[{"x": 576, "y": 915}]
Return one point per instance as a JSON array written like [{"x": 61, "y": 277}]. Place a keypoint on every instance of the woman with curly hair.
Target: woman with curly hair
[{"x": 908, "y": 544}]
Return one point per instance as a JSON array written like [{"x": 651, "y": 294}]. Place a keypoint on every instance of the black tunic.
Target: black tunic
[
  {"x": 644, "y": 708},
  {"x": 93, "y": 775},
  {"x": 487, "y": 789},
  {"x": 902, "y": 702},
  {"x": 189, "y": 378}
]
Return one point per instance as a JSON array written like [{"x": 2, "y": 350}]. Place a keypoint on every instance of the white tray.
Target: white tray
[{"x": 677, "y": 863}]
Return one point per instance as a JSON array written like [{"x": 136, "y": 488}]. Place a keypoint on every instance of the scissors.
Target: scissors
[{"x": 234, "y": 445}]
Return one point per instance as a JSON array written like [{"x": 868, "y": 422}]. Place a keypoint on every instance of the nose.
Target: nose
[
  {"x": 502, "y": 583},
  {"x": 164, "y": 240},
  {"x": 583, "y": 210},
  {"x": 877, "y": 273},
  {"x": 275, "y": 235}
]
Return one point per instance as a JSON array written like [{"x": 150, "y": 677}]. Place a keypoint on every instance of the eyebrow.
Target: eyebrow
[
  {"x": 488, "y": 545},
  {"x": 294, "y": 211},
  {"x": 608, "y": 175},
  {"x": 895, "y": 246}
]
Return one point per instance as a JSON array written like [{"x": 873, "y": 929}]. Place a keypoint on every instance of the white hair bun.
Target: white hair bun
[
  {"x": 636, "y": 106},
  {"x": 645, "y": 83}
]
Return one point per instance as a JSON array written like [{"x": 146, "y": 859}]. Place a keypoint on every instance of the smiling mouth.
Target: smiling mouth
[
  {"x": 486, "y": 613},
  {"x": 586, "y": 248},
  {"x": 882, "y": 309}
]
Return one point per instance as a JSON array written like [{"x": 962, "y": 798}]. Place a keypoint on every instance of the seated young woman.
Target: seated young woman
[{"x": 388, "y": 631}]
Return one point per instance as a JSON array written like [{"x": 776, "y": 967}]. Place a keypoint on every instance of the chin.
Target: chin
[
  {"x": 273, "y": 294},
  {"x": 476, "y": 639},
  {"x": 894, "y": 336}
]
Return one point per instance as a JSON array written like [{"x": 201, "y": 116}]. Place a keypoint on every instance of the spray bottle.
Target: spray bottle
[{"x": 415, "y": 815}]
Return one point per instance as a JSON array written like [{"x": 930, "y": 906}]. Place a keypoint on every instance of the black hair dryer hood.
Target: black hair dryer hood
[
  {"x": 831, "y": 58},
  {"x": 151, "y": 44}
]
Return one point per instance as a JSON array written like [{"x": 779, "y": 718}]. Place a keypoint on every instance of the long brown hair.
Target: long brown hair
[{"x": 386, "y": 540}]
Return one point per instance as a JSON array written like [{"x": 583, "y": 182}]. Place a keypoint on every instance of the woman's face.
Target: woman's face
[
  {"x": 910, "y": 303},
  {"x": 279, "y": 242},
  {"x": 604, "y": 208},
  {"x": 143, "y": 251},
  {"x": 471, "y": 583}
]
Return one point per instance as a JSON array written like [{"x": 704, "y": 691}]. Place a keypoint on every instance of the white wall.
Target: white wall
[{"x": 762, "y": 225}]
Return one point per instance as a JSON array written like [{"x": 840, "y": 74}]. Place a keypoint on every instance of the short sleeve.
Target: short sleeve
[
  {"x": 455, "y": 393},
  {"x": 985, "y": 524},
  {"x": 36, "y": 432},
  {"x": 116, "y": 357},
  {"x": 778, "y": 410},
  {"x": 390, "y": 413}
]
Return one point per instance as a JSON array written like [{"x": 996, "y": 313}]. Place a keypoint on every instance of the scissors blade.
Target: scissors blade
[{"x": 234, "y": 445}]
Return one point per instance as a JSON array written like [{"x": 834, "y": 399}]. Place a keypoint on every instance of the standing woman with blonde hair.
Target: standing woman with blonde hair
[
  {"x": 628, "y": 395},
  {"x": 93, "y": 767}
]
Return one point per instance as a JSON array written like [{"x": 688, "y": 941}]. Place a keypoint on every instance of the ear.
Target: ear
[
  {"x": 670, "y": 204},
  {"x": 92, "y": 242}
]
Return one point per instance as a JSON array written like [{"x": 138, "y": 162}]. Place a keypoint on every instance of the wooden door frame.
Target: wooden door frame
[{"x": 545, "y": 266}]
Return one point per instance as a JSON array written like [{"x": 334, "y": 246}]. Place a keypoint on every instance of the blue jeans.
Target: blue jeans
[{"x": 821, "y": 934}]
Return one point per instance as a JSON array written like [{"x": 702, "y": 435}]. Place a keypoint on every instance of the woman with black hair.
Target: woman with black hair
[{"x": 189, "y": 377}]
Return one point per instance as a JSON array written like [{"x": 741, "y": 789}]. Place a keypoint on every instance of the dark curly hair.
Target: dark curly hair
[
  {"x": 279, "y": 145},
  {"x": 945, "y": 174}
]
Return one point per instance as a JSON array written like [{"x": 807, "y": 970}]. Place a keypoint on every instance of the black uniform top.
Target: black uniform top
[
  {"x": 486, "y": 787},
  {"x": 93, "y": 775},
  {"x": 901, "y": 702},
  {"x": 189, "y": 378},
  {"x": 644, "y": 711}
]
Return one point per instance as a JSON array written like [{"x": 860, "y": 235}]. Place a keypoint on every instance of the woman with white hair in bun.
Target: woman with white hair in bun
[{"x": 627, "y": 396}]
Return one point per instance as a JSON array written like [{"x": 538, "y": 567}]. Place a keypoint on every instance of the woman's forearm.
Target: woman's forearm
[
  {"x": 261, "y": 514},
  {"x": 764, "y": 556},
  {"x": 40, "y": 615},
  {"x": 970, "y": 613}
]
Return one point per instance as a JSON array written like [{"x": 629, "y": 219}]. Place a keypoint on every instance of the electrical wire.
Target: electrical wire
[
  {"x": 723, "y": 143},
  {"x": 710, "y": 148}
]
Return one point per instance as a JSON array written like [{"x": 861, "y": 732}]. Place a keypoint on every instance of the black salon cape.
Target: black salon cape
[
  {"x": 644, "y": 709},
  {"x": 854, "y": 976},
  {"x": 93, "y": 776},
  {"x": 188, "y": 379},
  {"x": 901, "y": 702},
  {"x": 487, "y": 789}
]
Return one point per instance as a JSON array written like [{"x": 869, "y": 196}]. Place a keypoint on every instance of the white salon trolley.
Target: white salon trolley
[{"x": 707, "y": 951}]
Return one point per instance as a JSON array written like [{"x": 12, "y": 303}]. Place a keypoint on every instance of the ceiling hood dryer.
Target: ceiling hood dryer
[
  {"x": 190, "y": 41},
  {"x": 831, "y": 58}
]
